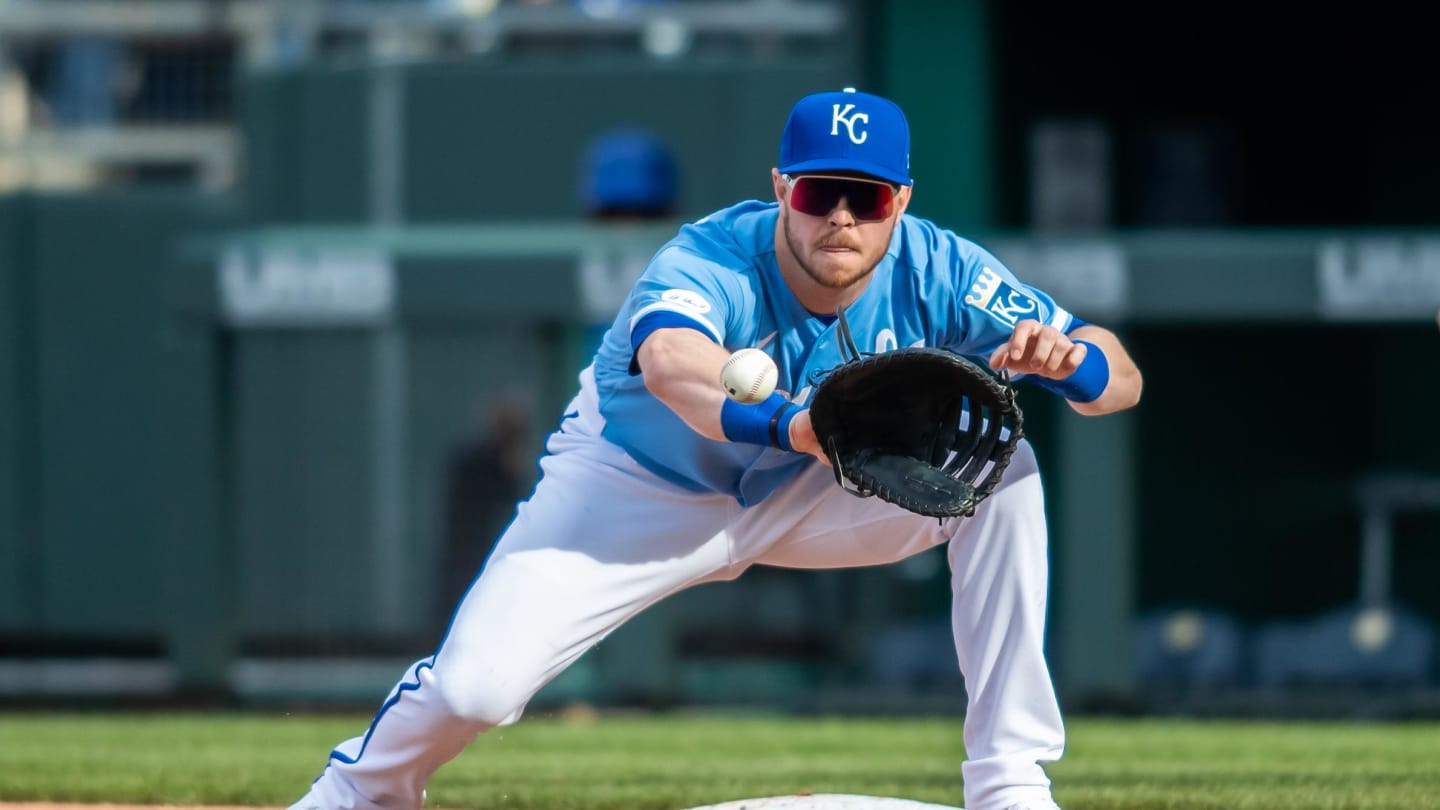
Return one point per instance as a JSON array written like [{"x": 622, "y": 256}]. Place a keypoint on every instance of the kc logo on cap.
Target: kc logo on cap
[
  {"x": 849, "y": 122},
  {"x": 847, "y": 131}
]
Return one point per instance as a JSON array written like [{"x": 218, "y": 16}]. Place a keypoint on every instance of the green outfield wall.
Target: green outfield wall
[{"x": 86, "y": 416}]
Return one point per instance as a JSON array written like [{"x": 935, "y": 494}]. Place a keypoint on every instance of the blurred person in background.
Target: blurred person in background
[
  {"x": 485, "y": 476},
  {"x": 84, "y": 84},
  {"x": 628, "y": 176}
]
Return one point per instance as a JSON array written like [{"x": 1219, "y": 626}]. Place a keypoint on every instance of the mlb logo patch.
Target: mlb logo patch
[{"x": 995, "y": 297}]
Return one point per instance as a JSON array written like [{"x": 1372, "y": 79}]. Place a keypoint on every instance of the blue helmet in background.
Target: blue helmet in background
[{"x": 628, "y": 169}]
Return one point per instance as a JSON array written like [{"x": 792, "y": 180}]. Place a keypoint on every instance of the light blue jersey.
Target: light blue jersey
[{"x": 719, "y": 275}]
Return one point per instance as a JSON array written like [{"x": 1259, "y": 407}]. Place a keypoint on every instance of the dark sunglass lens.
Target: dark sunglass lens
[
  {"x": 818, "y": 196},
  {"x": 814, "y": 196},
  {"x": 866, "y": 200}
]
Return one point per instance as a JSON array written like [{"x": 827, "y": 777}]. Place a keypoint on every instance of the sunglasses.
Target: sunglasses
[{"x": 817, "y": 195}]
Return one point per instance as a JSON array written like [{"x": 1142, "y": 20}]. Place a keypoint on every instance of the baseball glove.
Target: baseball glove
[{"x": 916, "y": 427}]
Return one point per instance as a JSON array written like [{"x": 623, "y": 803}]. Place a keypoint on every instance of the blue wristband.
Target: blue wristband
[
  {"x": 1087, "y": 382},
  {"x": 766, "y": 423}
]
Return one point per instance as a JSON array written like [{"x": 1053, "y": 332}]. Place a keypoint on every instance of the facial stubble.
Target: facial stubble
[{"x": 830, "y": 282}]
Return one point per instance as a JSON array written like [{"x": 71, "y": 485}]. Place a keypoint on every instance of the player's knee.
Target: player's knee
[{"x": 480, "y": 700}]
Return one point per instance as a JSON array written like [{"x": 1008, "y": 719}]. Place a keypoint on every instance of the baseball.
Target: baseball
[{"x": 749, "y": 376}]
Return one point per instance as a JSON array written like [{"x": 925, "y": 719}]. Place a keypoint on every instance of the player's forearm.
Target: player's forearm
[
  {"x": 682, "y": 369},
  {"x": 1123, "y": 388}
]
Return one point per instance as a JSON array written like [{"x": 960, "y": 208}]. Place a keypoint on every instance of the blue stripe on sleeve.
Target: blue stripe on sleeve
[{"x": 659, "y": 319}]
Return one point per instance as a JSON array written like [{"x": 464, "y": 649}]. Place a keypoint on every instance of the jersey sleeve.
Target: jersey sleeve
[
  {"x": 992, "y": 301},
  {"x": 682, "y": 289}
]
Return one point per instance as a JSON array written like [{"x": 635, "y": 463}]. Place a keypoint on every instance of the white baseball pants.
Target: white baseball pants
[{"x": 602, "y": 539}]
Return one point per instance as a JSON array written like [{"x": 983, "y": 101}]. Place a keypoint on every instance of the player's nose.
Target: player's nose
[{"x": 841, "y": 215}]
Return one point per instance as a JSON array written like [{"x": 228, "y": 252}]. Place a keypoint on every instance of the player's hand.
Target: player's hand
[
  {"x": 1037, "y": 349},
  {"x": 802, "y": 437}
]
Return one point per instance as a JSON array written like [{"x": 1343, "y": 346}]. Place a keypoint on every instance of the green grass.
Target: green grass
[{"x": 667, "y": 762}]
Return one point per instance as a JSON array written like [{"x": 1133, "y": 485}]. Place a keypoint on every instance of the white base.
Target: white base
[{"x": 826, "y": 801}]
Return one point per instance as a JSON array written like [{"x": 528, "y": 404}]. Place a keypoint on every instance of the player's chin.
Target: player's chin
[{"x": 841, "y": 268}]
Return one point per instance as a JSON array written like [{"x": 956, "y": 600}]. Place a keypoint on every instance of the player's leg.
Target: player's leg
[
  {"x": 599, "y": 541},
  {"x": 999, "y": 577},
  {"x": 999, "y": 565}
]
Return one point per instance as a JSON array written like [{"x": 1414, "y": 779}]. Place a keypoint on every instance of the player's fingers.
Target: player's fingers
[
  {"x": 1059, "y": 365},
  {"x": 1000, "y": 358},
  {"x": 1075, "y": 357},
  {"x": 1020, "y": 340},
  {"x": 1043, "y": 350},
  {"x": 1037, "y": 352},
  {"x": 803, "y": 438}
]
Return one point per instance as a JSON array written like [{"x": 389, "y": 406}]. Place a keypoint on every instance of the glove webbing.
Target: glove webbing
[{"x": 849, "y": 352}]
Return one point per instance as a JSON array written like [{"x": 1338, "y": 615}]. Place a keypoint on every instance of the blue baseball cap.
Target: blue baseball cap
[
  {"x": 847, "y": 131},
  {"x": 628, "y": 167}
]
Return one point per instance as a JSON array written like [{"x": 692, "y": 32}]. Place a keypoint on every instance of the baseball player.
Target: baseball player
[{"x": 655, "y": 481}]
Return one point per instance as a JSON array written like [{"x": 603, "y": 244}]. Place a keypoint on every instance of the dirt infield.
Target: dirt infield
[{"x": 54, "y": 806}]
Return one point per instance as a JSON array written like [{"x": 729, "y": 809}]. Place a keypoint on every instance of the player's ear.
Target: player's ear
[
  {"x": 902, "y": 200},
  {"x": 778, "y": 181}
]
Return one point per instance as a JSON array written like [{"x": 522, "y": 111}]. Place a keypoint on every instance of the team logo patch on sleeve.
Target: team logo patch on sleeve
[
  {"x": 996, "y": 297},
  {"x": 686, "y": 299}
]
